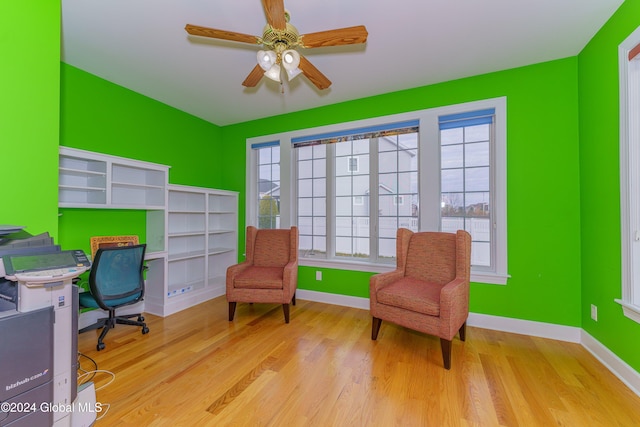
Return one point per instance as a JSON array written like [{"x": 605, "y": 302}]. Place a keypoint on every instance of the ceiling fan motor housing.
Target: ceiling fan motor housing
[{"x": 287, "y": 38}]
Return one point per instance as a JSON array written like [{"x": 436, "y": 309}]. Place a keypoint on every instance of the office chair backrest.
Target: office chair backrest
[{"x": 116, "y": 273}]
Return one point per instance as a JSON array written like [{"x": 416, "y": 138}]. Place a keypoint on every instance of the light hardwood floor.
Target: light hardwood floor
[{"x": 195, "y": 368}]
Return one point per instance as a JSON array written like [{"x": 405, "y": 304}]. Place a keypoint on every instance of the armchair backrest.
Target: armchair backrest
[
  {"x": 435, "y": 257},
  {"x": 272, "y": 247}
]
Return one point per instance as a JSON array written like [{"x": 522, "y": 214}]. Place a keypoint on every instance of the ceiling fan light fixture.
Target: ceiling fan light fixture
[
  {"x": 273, "y": 73},
  {"x": 266, "y": 59},
  {"x": 292, "y": 74},
  {"x": 290, "y": 62}
]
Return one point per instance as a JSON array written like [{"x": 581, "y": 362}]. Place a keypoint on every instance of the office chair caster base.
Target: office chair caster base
[
  {"x": 140, "y": 318},
  {"x": 145, "y": 330},
  {"x": 100, "y": 346}
]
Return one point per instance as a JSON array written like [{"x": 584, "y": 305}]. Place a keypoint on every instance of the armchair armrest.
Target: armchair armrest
[
  {"x": 379, "y": 281},
  {"x": 454, "y": 304},
  {"x": 234, "y": 270},
  {"x": 290, "y": 278}
]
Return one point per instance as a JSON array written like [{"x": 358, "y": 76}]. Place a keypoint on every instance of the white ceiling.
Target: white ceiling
[{"x": 142, "y": 45}]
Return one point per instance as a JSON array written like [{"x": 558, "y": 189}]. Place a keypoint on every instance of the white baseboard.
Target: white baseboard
[
  {"x": 335, "y": 299},
  {"x": 617, "y": 366},
  {"x": 525, "y": 327}
]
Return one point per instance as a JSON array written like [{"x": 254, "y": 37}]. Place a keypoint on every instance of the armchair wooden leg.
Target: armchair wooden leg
[
  {"x": 293, "y": 299},
  {"x": 285, "y": 308},
  {"x": 446, "y": 352},
  {"x": 375, "y": 328},
  {"x": 232, "y": 310},
  {"x": 463, "y": 331}
]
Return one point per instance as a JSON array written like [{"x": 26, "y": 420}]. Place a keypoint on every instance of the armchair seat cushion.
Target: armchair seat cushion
[
  {"x": 412, "y": 294},
  {"x": 260, "y": 278}
]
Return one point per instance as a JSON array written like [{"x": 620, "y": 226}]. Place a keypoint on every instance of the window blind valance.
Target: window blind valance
[
  {"x": 265, "y": 144},
  {"x": 471, "y": 118},
  {"x": 355, "y": 134}
]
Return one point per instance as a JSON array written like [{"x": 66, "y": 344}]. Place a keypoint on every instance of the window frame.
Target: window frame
[
  {"x": 629, "y": 73},
  {"x": 428, "y": 171}
]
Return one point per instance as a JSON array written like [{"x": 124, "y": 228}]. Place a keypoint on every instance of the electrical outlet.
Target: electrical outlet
[
  {"x": 318, "y": 275},
  {"x": 594, "y": 312}
]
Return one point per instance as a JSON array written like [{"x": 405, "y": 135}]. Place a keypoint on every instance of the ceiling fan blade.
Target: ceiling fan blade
[
  {"x": 274, "y": 9},
  {"x": 337, "y": 37},
  {"x": 313, "y": 74},
  {"x": 254, "y": 77},
  {"x": 213, "y": 33}
]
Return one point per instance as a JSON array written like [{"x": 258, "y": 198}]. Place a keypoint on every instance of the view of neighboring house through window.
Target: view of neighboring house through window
[
  {"x": 349, "y": 187},
  {"x": 466, "y": 183},
  {"x": 340, "y": 184},
  {"x": 268, "y": 175},
  {"x": 397, "y": 190},
  {"x": 312, "y": 200}
]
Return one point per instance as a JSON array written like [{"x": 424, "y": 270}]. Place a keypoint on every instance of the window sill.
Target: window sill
[
  {"x": 481, "y": 277},
  {"x": 630, "y": 310}
]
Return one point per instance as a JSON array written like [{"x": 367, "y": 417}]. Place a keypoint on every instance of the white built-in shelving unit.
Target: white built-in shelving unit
[{"x": 191, "y": 231}]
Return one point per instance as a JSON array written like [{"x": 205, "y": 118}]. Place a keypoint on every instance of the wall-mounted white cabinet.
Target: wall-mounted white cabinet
[
  {"x": 95, "y": 180},
  {"x": 192, "y": 232},
  {"x": 202, "y": 243}
]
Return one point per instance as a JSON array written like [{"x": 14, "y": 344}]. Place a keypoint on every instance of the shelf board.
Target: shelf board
[
  {"x": 186, "y": 255},
  {"x": 81, "y": 188},
  {"x": 216, "y": 251},
  {"x": 186, "y": 211},
  {"x": 131, "y": 206},
  {"x": 136, "y": 185},
  {"x": 187, "y": 233},
  {"x": 221, "y": 231},
  {"x": 81, "y": 172}
]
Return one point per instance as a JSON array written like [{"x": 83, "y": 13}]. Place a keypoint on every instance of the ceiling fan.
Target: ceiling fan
[{"x": 280, "y": 40}]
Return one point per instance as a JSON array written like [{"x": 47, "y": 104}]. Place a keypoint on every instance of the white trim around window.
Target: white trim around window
[
  {"x": 429, "y": 172},
  {"x": 629, "y": 70}
]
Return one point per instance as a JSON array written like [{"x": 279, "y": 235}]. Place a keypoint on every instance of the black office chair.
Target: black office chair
[{"x": 115, "y": 281}]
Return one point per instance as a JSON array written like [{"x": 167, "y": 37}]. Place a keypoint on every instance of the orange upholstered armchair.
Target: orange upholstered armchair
[
  {"x": 429, "y": 290},
  {"x": 270, "y": 272}
]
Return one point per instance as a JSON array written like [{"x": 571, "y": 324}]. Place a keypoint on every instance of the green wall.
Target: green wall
[
  {"x": 29, "y": 111},
  {"x": 100, "y": 116},
  {"x": 600, "y": 186},
  {"x": 543, "y": 195},
  {"x": 563, "y": 192}
]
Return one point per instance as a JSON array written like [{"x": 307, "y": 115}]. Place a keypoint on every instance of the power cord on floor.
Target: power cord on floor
[{"x": 86, "y": 376}]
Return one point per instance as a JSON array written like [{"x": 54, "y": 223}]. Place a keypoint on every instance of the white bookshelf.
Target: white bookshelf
[
  {"x": 202, "y": 243},
  {"x": 191, "y": 231}
]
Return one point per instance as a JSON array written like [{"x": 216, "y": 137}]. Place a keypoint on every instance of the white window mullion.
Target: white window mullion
[
  {"x": 374, "y": 185},
  {"x": 330, "y": 202},
  {"x": 429, "y": 167}
]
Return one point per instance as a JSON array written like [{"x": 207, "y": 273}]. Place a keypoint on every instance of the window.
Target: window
[
  {"x": 466, "y": 185},
  {"x": 268, "y": 184},
  {"x": 338, "y": 170},
  {"x": 629, "y": 68},
  {"x": 349, "y": 187}
]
